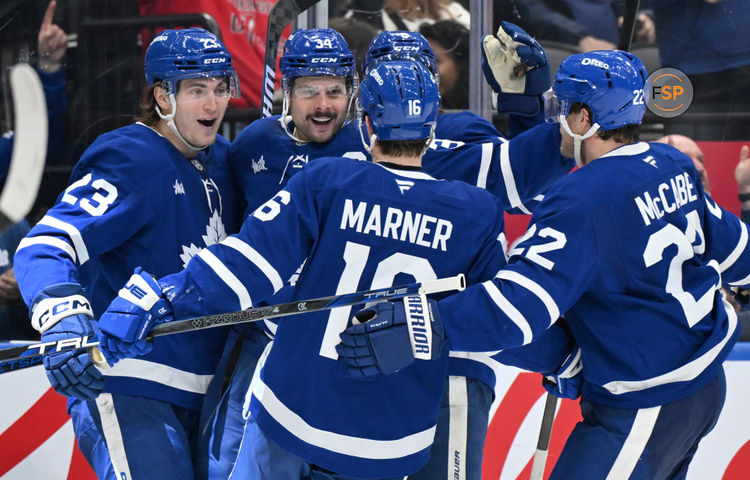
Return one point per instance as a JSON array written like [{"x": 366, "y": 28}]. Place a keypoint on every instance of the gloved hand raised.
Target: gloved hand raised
[
  {"x": 389, "y": 336},
  {"x": 516, "y": 67},
  {"x": 59, "y": 312},
  {"x": 138, "y": 307},
  {"x": 567, "y": 380}
]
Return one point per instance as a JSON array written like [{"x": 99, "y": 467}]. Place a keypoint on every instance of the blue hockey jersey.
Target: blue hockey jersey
[
  {"x": 360, "y": 225},
  {"x": 264, "y": 158},
  {"x": 135, "y": 201},
  {"x": 634, "y": 253}
]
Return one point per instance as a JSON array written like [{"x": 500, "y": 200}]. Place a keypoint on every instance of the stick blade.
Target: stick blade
[{"x": 30, "y": 144}]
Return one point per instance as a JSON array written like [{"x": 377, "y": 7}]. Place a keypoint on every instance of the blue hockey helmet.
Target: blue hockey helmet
[
  {"x": 401, "y": 99},
  {"x": 400, "y": 45},
  {"x": 174, "y": 55},
  {"x": 610, "y": 82},
  {"x": 316, "y": 52}
]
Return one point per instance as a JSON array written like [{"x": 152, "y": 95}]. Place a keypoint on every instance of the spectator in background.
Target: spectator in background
[
  {"x": 586, "y": 24},
  {"x": 407, "y": 14},
  {"x": 692, "y": 150},
  {"x": 52, "y": 43},
  {"x": 358, "y": 35},
  {"x": 450, "y": 41},
  {"x": 707, "y": 40}
]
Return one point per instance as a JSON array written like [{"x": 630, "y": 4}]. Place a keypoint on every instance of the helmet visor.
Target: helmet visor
[
  {"x": 554, "y": 106},
  {"x": 233, "y": 82}
]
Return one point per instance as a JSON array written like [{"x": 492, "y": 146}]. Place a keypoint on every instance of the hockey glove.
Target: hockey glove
[
  {"x": 516, "y": 67},
  {"x": 60, "y": 312},
  {"x": 566, "y": 381},
  {"x": 138, "y": 307},
  {"x": 389, "y": 336}
]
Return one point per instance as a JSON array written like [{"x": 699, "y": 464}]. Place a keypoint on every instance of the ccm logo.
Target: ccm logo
[
  {"x": 63, "y": 307},
  {"x": 215, "y": 60},
  {"x": 596, "y": 63},
  {"x": 323, "y": 60}
]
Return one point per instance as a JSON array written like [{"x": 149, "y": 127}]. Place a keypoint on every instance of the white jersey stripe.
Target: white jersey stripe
[
  {"x": 457, "y": 428},
  {"x": 685, "y": 373},
  {"x": 335, "y": 442},
  {"x": 227, "y": 277},
  {"x": 484, "y": 166},
  {"x": 640, "y": 432},
  {"x": 51, "y": 241},
  {"x": 509, "y": 180},
  {"x": 535, "y": 288},
  {"x": 113, "y": 436},
  {"x": 164, "y": 374},
  {"x": 257, "y": 259},
  {"x": 508, "y": 308},
  {"x": 729, "y": 261},
  {"x": 75, "y": 236}
]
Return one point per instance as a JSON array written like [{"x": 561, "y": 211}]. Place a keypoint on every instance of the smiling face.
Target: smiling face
[
  {"x": 318, "y": 107},
  {"x": 201, "y": 104}
]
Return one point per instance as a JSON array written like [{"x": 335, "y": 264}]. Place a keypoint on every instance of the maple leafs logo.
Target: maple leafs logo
[
  {"x": 214, "y": 230},
  {"x": 215, "y": 233}
]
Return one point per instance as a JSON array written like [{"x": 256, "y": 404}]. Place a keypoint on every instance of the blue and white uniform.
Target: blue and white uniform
[
  {"x": 357, "y": 226},
  {"x": 633, "y": 253},
  {"x": 134, "y": 200},
  {"x": 263, "y": 159}
]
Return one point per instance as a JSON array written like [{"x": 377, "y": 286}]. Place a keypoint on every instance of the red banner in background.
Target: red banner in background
[{"x": 243, "y": 25}]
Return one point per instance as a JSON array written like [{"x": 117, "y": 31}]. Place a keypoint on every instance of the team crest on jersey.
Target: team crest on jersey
[
  {"x": 178, "y": 188},
  {"x": 214, "y": 234},
  {"x": 259, "y": 165}
]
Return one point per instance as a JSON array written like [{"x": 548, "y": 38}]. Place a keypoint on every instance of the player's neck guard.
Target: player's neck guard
[
  {"x": 577, "y": 138},
  {"x": 170, "y": 123}
]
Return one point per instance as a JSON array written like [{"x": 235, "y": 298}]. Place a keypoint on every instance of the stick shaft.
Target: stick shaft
[
  {"x": 545, "y": 432},
  {"x": 25, "y": 356}
]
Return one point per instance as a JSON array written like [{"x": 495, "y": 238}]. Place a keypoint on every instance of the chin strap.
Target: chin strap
[
  {"x": 577, "y": 138},
  {"x": 286, "y": 118},
  {"x": 170, "y": 123},
  {"x": 373, "y": 137}
]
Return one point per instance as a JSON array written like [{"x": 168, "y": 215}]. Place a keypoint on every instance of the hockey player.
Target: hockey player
[
  {"x": 351, "y": 221},
  {"x": 270, "y": 151},
  {"x": 319, "y": 82},
  {"x": 152, "y": 194},
  {"x": 634, "y": 253}
]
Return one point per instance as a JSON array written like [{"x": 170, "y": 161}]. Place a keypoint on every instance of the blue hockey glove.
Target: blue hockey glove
[
  {"x": 516, "y": 67},
  {"x": 566, "y": 381},
  {"x": 138, "y": 307},
  {"x": 60, "y": 312},
  {"x": 389, "y": 336}
]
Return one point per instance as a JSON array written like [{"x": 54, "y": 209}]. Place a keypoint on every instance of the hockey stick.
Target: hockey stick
[
  {"x": 542, "y": 445},
  {"x": 29, "y": 145},
  {"x": 16, "y": 358},
  {"x": 628, "y": 24},
  {"x": 282, "y": 13}
]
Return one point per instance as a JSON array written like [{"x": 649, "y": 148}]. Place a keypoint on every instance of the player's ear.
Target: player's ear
[
  {"x": 369, "y": 125},
  {"x": 161, "y": 100}
]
